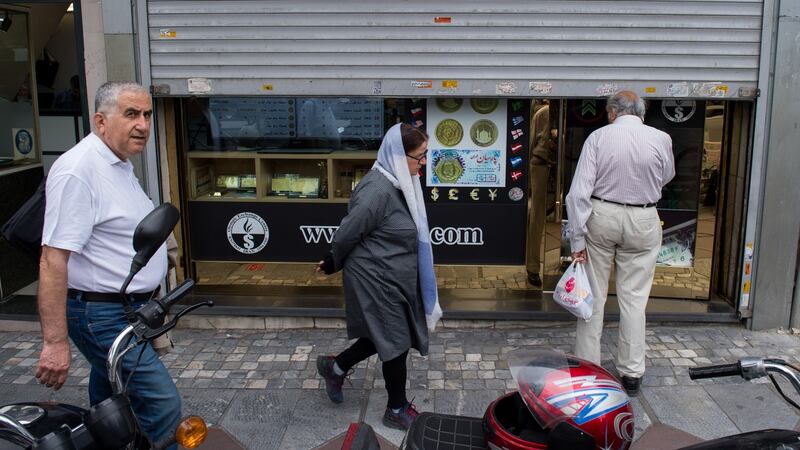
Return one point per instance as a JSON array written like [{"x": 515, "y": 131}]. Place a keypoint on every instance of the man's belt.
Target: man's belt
[
  {"x": 643, "y": 205},
  {"x": 110, "y": 297}
]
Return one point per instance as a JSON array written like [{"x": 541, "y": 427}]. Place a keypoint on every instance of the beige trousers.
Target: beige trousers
[
  {"x": 630, "y": 238},
  {"x": 536, "y": 217}
]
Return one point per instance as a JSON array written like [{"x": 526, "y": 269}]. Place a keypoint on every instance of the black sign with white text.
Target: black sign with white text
[{"x": 302, "y": 232}]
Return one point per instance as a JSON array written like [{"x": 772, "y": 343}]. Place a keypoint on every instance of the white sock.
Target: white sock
[
  {"x": 336, "y": 370},
  {"x": 396, "y": 411}
]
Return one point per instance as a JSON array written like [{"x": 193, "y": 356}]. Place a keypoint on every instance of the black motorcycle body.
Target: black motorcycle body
[{"x": 112, "y": 423}]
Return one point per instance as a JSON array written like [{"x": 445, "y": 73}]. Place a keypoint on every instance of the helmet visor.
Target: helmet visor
[{"x": 557, "y": 387}]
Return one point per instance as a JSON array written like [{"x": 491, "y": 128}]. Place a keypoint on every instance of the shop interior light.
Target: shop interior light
[
  {"x": 70, "y": 8},
  {"x": 5, "y": 21}
]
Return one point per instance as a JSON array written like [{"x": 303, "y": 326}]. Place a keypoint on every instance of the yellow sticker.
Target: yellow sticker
[
  {"x": 166, "y": 33},
  {"x": 746, "y": 287},
  {"x": 266, "y": 87},
  {"x": 722, "y": 87},
  {"x": 650, "y": 90},
  {"x": 450, "y": 84}
]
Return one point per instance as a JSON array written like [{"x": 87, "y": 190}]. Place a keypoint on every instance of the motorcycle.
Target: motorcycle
[
  {"x": 564, "y": 402},
  {"x": 112, "y": 423}
]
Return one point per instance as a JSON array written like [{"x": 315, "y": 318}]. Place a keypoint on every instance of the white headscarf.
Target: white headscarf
[{"x": 393, "y": 164}]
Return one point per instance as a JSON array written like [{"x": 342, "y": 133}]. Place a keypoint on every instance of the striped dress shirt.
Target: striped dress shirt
[{"x": 624, "y": 162}]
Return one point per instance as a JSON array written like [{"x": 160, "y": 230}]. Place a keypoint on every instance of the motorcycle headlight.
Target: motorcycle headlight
[{"x": 112, "y": 422}]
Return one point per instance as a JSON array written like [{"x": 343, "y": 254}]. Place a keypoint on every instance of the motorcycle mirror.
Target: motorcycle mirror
[{"x": 151, "y": 232}]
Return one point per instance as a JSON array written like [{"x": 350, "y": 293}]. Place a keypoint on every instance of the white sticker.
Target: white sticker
[
  {"x": 506, "y": 88},
  {"x": 541, "y": 87},
  {"x": 377, "y": 87},
  {"x": 23, "y": 142},
  {"x": 516, "y": 194},
  {"x": 198, "y": 85},
  {"x": 678, "y": 111},
  {"x": 606, "y": 89},
  {"x": 678, "y": 89},
  {"x": 716, "y": 89}
]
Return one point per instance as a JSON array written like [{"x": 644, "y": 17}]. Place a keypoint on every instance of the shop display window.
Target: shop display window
[{"x": 287, "y": 148}]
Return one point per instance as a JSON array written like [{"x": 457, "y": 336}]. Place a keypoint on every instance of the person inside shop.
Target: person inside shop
[
  {"x": 70, "y": 98},
  {"x": 611, "y": 203},
  {"x": 541, "y": 158},
  {"x": 93, "y": 205},
  {"x": 383, "y": 248}
]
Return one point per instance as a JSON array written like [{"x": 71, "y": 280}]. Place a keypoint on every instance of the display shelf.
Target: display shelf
[{"x": 276, "y": 176}]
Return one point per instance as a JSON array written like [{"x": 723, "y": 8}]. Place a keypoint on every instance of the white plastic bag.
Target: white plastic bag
[{"x": 574, "y": 293}]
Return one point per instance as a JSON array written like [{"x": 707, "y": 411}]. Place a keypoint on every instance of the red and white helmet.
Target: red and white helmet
[{"x": 573, "y": 400}]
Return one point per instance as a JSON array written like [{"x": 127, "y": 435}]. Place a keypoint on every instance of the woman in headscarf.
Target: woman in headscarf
[{"x": 383, "y": 246}]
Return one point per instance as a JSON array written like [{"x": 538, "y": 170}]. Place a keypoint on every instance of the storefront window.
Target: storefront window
[
  {"x": 281, "y": 124},
  {"x": 18, "y": 137},
  {"x": 270, "y": 178}
]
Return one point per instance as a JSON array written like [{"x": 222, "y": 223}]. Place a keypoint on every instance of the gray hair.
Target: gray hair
[
  {"x": 106, "y": 99},
  {"x": 626, "y": 103}
]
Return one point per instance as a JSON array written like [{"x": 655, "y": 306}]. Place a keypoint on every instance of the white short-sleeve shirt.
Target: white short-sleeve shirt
[{"x": 94, "y": 202}]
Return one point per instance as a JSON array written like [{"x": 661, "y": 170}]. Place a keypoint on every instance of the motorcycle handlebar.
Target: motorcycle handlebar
[
  {"x": 152, "y": 314},
  {"x": 720, "y": 370}
]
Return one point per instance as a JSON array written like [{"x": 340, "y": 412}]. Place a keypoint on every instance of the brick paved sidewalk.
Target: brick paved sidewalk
[{"x": 263, "y": 387}]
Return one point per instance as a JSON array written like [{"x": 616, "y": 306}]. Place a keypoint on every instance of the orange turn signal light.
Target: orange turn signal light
[{"x": 191, "y": 432}]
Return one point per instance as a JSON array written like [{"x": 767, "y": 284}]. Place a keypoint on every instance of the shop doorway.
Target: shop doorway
[{"x": 701, "y": 208}]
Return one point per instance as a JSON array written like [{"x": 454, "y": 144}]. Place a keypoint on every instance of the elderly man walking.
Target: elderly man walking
[
  {"x": 94, "y": 203},
  {"x": 613, "y": 220}
]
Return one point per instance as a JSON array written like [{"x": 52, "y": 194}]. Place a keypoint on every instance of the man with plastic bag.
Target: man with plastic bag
[{"x": 613, "y": 220}]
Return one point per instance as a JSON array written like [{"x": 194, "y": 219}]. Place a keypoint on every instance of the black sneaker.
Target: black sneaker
[
  {"x": 333, "y": 382},
  {"x": 400, "y": 420},
  {"x": 534, "y": 279}
]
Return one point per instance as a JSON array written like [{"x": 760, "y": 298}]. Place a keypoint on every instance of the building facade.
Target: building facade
[{"x": 269, "y": 112}]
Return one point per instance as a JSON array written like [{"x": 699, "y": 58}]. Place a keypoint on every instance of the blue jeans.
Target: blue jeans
[{"x": 154, "y": 397}]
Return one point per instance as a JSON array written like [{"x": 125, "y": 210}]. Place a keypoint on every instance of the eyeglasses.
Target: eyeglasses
[{"x": 418, "y": 158}]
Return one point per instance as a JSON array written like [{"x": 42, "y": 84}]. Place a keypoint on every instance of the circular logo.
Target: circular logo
[
  {"x": 483, "y": 133},
  {"x": 449, "y": 132},
  {"x": 515, "y": 194},
  {"x": 448, "y": 167},
  {"x": 483, "y": 105},
  {"x": 23, "y": 141},
  {"x": 449, "y": 105},
  {"x": 587, "y": 111},
  {"x": 678, "y": 110},
  {"x": 248, "y": 233}
]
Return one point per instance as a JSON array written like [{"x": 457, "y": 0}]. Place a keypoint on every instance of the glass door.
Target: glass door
[{"x": 688, "y": 204}]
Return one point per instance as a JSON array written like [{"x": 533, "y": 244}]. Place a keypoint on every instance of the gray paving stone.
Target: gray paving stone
[
  {"x": 259, "y": 420},
  {"x": 689, "y": 409},
  {"x": 465, "y": 403},
  {"x": 641, "y": 420},
  {"x": 754, "y": 406},
  {"x": 313, "y": 421}
]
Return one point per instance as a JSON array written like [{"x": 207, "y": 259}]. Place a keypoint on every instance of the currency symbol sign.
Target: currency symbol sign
[
  {"x": 248, "y": 241},
  {"x": 452, "y": 194},
  {"x": 678, "y": 112},
  {"x": 435, "y": 194},
  {"x": 474, "y": 194},
  {"x": 492, "y": 194}
]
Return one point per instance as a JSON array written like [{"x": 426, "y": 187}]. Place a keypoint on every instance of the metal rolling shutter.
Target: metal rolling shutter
[{"x": 470, "y": 48}]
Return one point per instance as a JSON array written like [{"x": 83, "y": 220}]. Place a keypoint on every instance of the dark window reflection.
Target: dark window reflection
[
  {"x": 683, "y": 120},
  {"x": 277, "y": 124}
]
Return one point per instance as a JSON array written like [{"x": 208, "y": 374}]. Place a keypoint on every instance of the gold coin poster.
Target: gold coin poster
[{"x": 467, "y": 145}]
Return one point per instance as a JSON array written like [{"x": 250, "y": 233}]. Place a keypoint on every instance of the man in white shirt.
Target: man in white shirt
[
  {"x": 93, "y": 204},
  {"x": 613, "y": 220}
]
